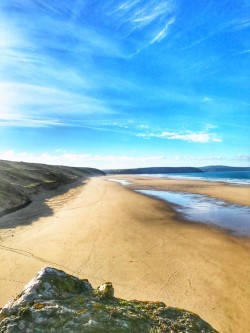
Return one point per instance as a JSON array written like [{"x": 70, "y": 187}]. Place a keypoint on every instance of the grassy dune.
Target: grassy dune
[{"x": 19, "y": 181}]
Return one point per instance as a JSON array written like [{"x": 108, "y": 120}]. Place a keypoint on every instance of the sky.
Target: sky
[{"x": 125, "y": 83}]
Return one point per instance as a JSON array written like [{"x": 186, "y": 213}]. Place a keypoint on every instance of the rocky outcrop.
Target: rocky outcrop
[{"x": 57, "y": 302}]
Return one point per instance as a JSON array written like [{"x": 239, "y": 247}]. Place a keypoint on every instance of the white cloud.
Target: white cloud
[
  {"x": 223, "y": 159},
  {"x": 139, "y": 14},
  {"x": 128, "y": 5},
  {"x": 187, "y": 136},
  {"x": 194, "y": 137},
  {"x": 210, "y": 126},
  {"x": 150, "y": 12},
  {"x": 242, "y": 24},
  {"x": 206, "y": 158},
  {"x": 207, "y": 99},
  {"x": 82, "y": 160},
  {"x": 243, "y": 157},
  {"x": 153, "y": 18},
  {"x": 216, "y": 140},
  {"x": 143, "y": 126},
  {"x": 162, "y": 34},
  {"x": 244, "y": 52},
  {"x": 63, "y": 157}
]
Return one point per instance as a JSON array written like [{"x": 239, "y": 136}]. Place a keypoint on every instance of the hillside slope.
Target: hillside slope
[{"x": 19, "y": 181}]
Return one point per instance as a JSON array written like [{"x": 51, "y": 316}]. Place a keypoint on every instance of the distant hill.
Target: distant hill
[
  {"x": 19, "y": 181},
  {"x": 214, "y": 168},
  {"x": 162, "y": 170},
  {"x": 153, "y": 170}
]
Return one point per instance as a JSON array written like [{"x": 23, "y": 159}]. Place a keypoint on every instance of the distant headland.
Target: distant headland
[{"x": 159, "y": 170}]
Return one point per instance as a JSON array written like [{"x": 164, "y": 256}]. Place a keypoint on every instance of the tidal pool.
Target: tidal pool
[{"x": 203, "y": 209}]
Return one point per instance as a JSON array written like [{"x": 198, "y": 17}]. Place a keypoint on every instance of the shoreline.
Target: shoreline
[
  {"x": 103, "y": 231},
  {"x": 230, "y": 181},
  {"x": 198, "y": 203},
  {"x": 181, "y": 218},
  {"x": 230, "y": 193}
]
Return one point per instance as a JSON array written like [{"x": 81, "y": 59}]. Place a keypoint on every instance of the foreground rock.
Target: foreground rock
[{"x": 57, "y": 302}]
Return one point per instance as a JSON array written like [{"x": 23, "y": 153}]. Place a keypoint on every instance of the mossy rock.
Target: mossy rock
[{"x": 58, "y": 302}]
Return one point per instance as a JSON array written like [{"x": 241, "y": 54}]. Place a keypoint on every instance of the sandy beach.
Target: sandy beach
[{"x": 104, "y": 231}]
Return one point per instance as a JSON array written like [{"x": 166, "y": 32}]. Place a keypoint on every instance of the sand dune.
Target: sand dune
[{"x": 105, "y": 232}]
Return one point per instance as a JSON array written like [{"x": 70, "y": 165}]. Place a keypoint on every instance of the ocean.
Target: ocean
[{"x": 234, "y": 177}]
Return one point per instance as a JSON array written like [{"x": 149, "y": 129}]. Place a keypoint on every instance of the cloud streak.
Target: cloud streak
[
  {"x": 187, "y": 136},
  {"x": 162, "y": 34},
  {"x": 144, "y": 23},
  {"x": 21, "y": 104},
  {"x": 88, "y": 68},
  {"x": 48, "y": 76}
]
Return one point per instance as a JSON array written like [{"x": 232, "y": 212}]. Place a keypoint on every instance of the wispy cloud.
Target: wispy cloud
[
  {"x": 78, "y": 38},
  {"x": 144, "y": 22},
  {"x": 211, "y": 158},
  {"x": 207, "y": 99},
  {"x": 199, "y": 137},
  {"x": 210, "y": 126},
  {"x": 240, "y": 24},
  {"x": 242, "y": 157},
  {"x": 97, "y": 65},
  {"x": 22, "y": 104},
  {"x": 139, "y": 13},
  {"x": 162, "y": 34},
  {"x": 22, "y": 121},
  {"x": 56, "y": 76},
  {"x": 244, "y": 52}
]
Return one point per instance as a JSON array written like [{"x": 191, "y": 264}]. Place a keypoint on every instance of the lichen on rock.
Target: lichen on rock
[{"x": 58, "y": 302}]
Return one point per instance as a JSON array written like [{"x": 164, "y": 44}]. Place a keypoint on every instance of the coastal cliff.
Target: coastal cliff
[{"x": 57, "y": 302}]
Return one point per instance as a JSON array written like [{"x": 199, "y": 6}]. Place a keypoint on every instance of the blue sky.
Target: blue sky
[{"x": 121, "y": 83}]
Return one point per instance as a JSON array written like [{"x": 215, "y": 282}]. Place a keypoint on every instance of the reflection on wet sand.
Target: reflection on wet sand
[{"x": 200, "y": 208}]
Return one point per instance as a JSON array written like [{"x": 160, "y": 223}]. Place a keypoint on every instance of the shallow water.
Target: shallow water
[
  {"x": 120, "y": 181},
  {"x": 203, "y": 209}
]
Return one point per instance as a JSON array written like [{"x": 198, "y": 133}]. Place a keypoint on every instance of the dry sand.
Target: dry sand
[{"x": 105, "y": 232}]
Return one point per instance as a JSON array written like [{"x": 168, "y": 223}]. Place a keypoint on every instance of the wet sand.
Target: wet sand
[
  {"x": 106, "y": 232},
  {"x": 235, "y": 194}
]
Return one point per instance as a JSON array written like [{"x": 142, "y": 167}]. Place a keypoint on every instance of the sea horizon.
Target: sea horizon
[{"x": 232, "y": 177}]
